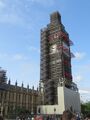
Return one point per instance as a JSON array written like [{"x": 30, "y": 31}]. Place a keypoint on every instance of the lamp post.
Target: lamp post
[{"x": 55, "y": 113}]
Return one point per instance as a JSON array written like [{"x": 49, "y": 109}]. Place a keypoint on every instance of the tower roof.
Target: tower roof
[{"x": 55, "y": 17}]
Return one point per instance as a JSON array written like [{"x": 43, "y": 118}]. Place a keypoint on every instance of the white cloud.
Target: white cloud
[
  {"x": 4, "y": 55},
  {"x": 84, "y": 91},
  {"x": 84, "y": 95},
  {"x": 14, "y": 12},
  {"x": 79, "y": 55},
  {"x": 44, "y": 2},
  {"x": 78, "y": 78},
  {"x": 11, "y": 12},
  {"x": 10, "y": 18},
  {"x": 2, "y": 5},
  {"x": 18, "y": 57},
  {"x": 7, "y": 13},
  {"x": 32, "y": 48}
]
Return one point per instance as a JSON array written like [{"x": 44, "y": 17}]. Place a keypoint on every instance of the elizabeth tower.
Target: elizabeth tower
[{"x": 55, "y": 58}]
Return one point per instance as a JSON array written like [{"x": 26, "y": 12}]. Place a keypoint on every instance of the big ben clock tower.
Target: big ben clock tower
[{"x": 55, "y": 61}]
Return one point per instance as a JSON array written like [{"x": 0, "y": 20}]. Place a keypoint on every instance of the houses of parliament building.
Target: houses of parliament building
[
  {"x": 14, "y": 97},
  {"x": 55, "y": 68}
]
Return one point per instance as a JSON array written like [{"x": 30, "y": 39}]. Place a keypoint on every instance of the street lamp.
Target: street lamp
[{"x": 55, "y": 112}]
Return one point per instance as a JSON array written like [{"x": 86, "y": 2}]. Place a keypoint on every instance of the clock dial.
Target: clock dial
[{"x": 53, "y": 48}]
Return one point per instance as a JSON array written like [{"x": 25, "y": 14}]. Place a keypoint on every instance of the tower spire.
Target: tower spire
[{"x": 55, "y": 17}]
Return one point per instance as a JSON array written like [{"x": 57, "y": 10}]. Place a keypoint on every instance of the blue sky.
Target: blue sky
[{"x": 20, "y": 24}]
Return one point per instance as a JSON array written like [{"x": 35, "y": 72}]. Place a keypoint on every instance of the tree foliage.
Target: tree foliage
[
  {"x": 85, "y": 107},
  {"x": 21, "y": 112}
]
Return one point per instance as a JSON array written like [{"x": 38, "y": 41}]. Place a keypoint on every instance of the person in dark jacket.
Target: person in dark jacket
[{"x": 1, "y": 118}]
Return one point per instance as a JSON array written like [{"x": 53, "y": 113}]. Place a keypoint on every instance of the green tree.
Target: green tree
[
  {"x": 18, "y": 111},
  {"x": 85, "y": 107}
]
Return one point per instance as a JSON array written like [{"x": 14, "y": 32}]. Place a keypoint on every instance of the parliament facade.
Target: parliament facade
[{"x": 14, "y": 97}]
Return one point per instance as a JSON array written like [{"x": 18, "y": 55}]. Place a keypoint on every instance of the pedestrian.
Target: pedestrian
[
  {"x": 87, "y": 117},
  {"x": 78, "y": 116},
  {"x": 1, "y": 118},
  {"x": 68, "y": 115}
]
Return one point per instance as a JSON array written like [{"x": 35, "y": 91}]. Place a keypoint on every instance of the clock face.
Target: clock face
[{"x": 53, "y": 48}]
